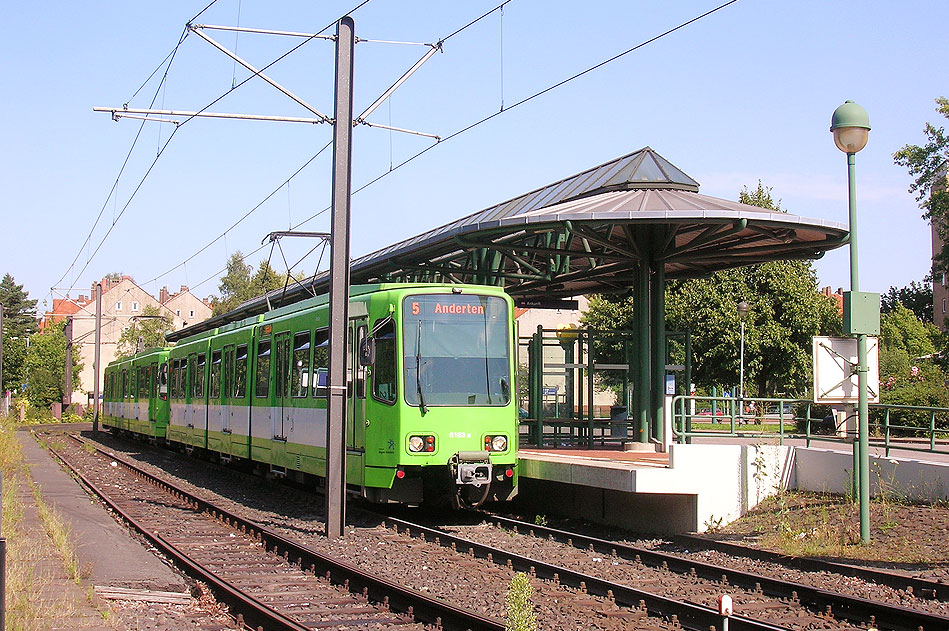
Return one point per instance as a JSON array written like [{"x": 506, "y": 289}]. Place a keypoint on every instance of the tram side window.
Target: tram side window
[
  {"x": 163, "y": 381},
  {"x": 383, "y": 370},
  {"x": 282, "y": 366},
  {"x": 142, "y": 382},
  {"x": 125, "y": 383},
  {"x": 176, "y": 379},
  {"x": 321, "y": 362},
  {"x": 199, "y": 377},
  {"x": 227, "y": 372},
  {"x": 240, "y": 372},
  {"x": 215, "y": 386},
  {"x": 300, "y": 371},
  {"x": 263, "y": 368},
  {"x": 192, "y": 371}
]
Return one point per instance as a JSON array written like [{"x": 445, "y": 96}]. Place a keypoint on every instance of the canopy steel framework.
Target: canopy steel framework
[{"x": 624, "y": 226}]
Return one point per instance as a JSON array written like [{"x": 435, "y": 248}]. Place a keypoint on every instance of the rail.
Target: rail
[{"x": 905, "y": 427}]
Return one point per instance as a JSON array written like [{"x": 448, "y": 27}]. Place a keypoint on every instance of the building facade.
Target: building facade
[{"x": 122, "y": 302}]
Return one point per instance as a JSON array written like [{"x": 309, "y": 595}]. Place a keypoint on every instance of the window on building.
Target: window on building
[
  {"x": 118, "y": 306},
  {"x": 178, "y": 312},
  {"x": 943, "y": 305},
  {"x": 191, "y": 313},
  {"x": 134, "y": 306}
]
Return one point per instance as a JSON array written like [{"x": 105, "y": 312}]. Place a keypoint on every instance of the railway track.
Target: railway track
[
  {"x": 601, "y": 581},
  {"x": 921, "y": 586},
  {"x": 823, "y": 602},
  {"x": 266, "y": 579}
]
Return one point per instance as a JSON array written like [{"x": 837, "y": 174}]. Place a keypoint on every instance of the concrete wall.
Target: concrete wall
[{"x": 828, "y": 471}]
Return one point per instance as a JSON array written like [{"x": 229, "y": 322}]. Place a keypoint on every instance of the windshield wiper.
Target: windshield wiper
[{"x": 418, "y": 369}]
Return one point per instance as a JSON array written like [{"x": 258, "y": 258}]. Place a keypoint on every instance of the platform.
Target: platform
[{"x": 695, "y": 487}]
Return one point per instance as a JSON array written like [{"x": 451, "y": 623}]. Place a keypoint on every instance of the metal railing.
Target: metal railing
[{"x": 804, "y": 419}]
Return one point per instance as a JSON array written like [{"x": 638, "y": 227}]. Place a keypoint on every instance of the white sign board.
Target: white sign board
[{"x": 835, "y": 370}]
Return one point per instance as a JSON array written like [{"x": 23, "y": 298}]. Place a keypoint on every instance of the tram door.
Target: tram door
[
  {"x": 216, "y": 407},
  {"x": 281, "y": 420},
  {"x": 153, "y": 392},
  {"x": 356, "y": 387}
]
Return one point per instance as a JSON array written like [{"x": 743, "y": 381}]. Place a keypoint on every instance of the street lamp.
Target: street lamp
[
  {"x": 743, "y": 308},
  {"x": 850, "y": 125}
]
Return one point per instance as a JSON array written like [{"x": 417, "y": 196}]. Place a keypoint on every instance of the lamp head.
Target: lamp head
[
  {"x": 850, "y": 125},
  {"x": 743, "y": 308}
]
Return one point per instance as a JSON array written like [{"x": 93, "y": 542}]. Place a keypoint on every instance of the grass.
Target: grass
[
  {"x": 824, "y": 525},
  {"x": 31, "y": 601}
]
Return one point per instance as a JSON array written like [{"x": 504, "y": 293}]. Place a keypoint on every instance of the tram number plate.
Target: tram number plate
[{"x": 459, "y": 434}]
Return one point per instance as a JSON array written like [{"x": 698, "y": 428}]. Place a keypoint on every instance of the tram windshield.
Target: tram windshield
[{"x": 456, "y": 350}]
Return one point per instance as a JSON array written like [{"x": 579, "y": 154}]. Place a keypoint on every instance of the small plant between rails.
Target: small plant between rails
[{"x": 264, "y": 577}]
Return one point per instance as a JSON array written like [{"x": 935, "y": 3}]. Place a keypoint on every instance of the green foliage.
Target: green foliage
[
  {"x": 927, "y": 163},
  {"x": 520, "y": 609},
  {"x": 46, "y": 366},
  {"x": 786, "y": 312},
  {"x": 238, "y": 286},
  {"x": 19, "y": 321},
  {"x": 152, "y": 330},
  {"x": 917, "y": 297},
  {"x": 908, "y": 372}
]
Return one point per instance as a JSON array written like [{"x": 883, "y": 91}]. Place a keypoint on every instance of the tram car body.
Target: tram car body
[
  {"x": 431, "y": 412},
  {"x": 135, "y": 393}
]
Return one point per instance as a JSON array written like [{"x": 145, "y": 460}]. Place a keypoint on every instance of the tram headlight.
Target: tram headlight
[
  {"x": 419, "y": 444},
  {"x": 495, "y": 443}
]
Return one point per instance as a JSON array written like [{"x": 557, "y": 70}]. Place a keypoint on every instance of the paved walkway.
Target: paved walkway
[{"x": 107, "y": 555}]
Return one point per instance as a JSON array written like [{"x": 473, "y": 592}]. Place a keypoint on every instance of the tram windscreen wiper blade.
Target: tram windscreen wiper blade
[{"x": 418, "y": 369}]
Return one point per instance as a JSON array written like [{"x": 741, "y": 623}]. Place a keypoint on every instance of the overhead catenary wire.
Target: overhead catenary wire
[
  {"x": 297, "y": 172},
  {"x": 523, "y": 101},
  {"x": 115, "y": 184}
]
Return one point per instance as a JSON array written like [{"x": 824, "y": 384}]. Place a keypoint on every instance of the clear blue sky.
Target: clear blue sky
[{"x": 743, "y": 94}]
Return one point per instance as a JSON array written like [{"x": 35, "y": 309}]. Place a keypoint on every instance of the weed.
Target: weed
[
  {"x": 60, "y": 534},
  {"x": 520, "y": 608},
  {"x": 540, "y": 520},
  {"x": 713, "y": 524}
]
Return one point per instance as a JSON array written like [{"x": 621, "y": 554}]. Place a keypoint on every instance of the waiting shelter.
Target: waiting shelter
[{"x": 621, "y": 227}]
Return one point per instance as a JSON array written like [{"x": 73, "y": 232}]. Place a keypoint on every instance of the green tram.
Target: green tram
[{"x": 431, "y": 414}]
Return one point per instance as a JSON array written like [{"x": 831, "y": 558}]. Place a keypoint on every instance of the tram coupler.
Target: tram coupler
[{"x": 471, "y": 468}]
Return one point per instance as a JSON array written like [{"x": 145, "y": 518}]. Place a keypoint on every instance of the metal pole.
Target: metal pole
[
  {"x": 657, "y": 291},
  {"x": 67, "y": 391},
  {"x": 96, "y": 364},
  {"x": 741, "y": 371},
  {"x": 863, "y": 411},
  {"x": 644, "y": 374},
  {"x": 339, "y": 282}
]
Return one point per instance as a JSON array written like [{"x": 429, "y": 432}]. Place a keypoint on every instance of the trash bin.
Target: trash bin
[{"x": 619, "y": 416}]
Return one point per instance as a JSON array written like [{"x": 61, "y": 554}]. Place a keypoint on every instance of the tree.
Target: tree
[
  {"x": 909, "y": 374},
  {"x": 46, "y": 366},
  {"x": 19, "y": 321},
  {"x": 917, "y": 297},
  {"x": 786, "y": 312},
  {"x": 152, "y": 329},
  {"x": 237, "y": 285},
  {"x": 927, "y": 164}
]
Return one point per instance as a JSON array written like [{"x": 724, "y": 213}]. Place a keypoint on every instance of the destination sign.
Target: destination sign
[{"x": 447, "y": 308}]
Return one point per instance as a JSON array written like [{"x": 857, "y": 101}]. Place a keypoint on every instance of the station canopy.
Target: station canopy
[{"x": 587, "y": 233}]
